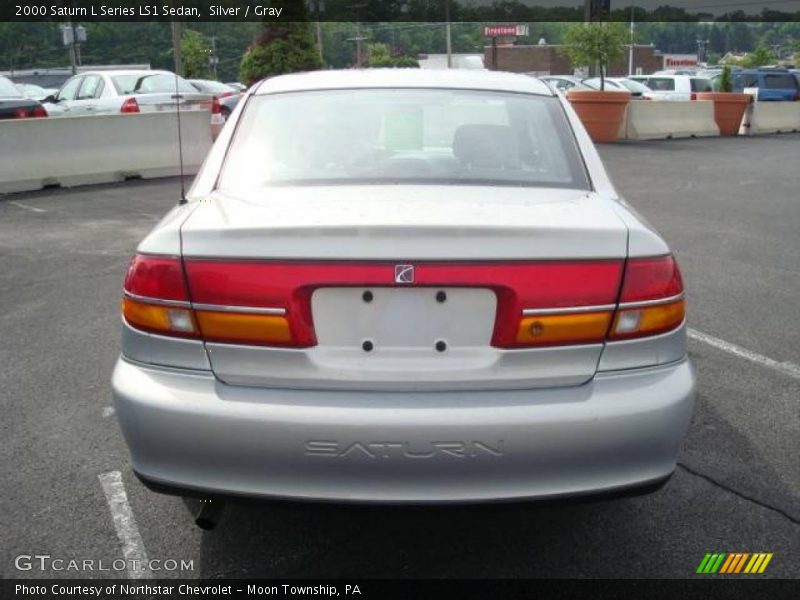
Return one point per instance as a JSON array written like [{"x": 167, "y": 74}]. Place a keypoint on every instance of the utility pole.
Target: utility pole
[
  {"x": 176, "y": 46},
  {"x": 319, "y": 31},
  {"x": 214, "y": 59},
  {"x": 630, "y": 50},
  {"x": 359, "y": 38},
  {"x": 448, "y": 34},
  {"x": 73, "y": 54}
]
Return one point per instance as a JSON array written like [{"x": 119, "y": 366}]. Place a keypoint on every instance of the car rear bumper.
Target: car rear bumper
[{"x": 188, "y": 430}]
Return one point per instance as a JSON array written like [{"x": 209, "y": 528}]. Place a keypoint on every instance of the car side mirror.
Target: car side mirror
[{"x": 51, "y": 99}]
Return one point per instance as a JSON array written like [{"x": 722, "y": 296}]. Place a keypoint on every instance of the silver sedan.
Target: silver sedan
[
  {"x": 403, "y": 286},
  {"x": 125, "y": 91}
]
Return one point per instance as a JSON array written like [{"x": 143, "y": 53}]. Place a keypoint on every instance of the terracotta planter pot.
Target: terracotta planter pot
[
  {"x": 600, "y": 112},
  {"x": 729, "y": 109}
]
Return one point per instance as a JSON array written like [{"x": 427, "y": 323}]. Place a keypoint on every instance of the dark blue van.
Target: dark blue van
[{"x": 772, "y": 84}]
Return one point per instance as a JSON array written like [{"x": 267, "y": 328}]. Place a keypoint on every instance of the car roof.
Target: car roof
[
  {"x": 472, "y": 79},
  {"x": 114, "y": 72},
  {"x": 656, "y": 75}
]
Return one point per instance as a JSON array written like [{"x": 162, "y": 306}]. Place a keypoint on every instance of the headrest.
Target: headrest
[{"x": 487, "y": 146}]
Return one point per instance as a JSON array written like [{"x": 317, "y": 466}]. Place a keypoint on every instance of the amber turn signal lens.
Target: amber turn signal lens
[
  {"x": 648, "y": 320},
  {"x": 235, "y": 327},
  {"x": 577, "y": 328},
  {"x": 158, "y": 318}
]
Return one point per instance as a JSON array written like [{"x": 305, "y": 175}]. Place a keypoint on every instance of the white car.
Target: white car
[
  {"x": 35, "y": 92},
  {"x": 403, "y": 285},
  {"x": 562, "y": 83},
  {"x": 125, "y": 91},
  {"x": 675, "y": 87},
  {"x": 638, "y": 91}
]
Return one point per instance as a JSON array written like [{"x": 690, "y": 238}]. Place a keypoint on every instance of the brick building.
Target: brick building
[{"x": 548, "y": 59}]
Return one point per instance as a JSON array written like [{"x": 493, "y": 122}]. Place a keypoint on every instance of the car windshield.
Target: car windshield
[
  {"x": 150, "y": 83},
  {"x": 634, "y": 86},
  {"x": 594, "y": 83},
  {"x": 403, "y": 136},
  {"x": 8, "y": 89}
]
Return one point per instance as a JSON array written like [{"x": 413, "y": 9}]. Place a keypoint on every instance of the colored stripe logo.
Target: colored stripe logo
[{"x": 734, "y": 562}]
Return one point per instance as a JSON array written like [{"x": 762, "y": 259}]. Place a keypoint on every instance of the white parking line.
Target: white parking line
[
  {"x": 786, "y": 367},
  {"x": 26, "y": 207},
  {"x": 125, "y": 524}
]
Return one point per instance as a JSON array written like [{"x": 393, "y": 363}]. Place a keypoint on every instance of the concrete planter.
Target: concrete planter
[
  {"x": 729, "y": 109},
  {"x": 601, "y": 113}
]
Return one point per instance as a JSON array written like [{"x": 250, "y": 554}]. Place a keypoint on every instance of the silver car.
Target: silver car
[
  {"x": 406, "y": 286},
  {"x": 125, "y": 91}
]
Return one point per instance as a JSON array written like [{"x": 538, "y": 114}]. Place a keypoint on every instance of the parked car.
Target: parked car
[
  {"x": 239, "y": 87},
  {"x": 209, "y": 86},
  {"x": 562, "y": 83},
  {"x": 35, "y": 92},
  {"x": 774, "y": 84},
  {"x": 125, "y": 91},
  {"x": 403, "y": 285},
  {"x": 14, "y": 105},
  {"x": 675, "y": 87},
  {"x": 686, "y": 71},
  {"x": 639, "y": 91},
  {"x": 228, "y": 103}
]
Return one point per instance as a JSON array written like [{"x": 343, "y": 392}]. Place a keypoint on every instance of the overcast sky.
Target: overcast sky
[{"x": 714, "y": 7}]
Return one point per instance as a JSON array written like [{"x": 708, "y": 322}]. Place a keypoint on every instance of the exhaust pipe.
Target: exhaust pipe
[{"x": 209, "y": 513}]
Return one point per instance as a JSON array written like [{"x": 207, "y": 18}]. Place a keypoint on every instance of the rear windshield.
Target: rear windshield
[
  {"x": 214, "y": 87},
  {"x": 403, "y": 136},
  {"x": 8, "y": 89},
  {"x": 661, "y": 84},
  {"x": 701, "y": 85},
  {"x": 149, "y": 83}
]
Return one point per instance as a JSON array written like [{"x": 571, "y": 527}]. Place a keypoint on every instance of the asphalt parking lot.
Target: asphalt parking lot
[{"x": 729, "y": 207}]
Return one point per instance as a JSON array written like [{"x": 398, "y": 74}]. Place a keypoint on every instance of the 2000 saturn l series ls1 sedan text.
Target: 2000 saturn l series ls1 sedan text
[{"x": 403, "y": 286}]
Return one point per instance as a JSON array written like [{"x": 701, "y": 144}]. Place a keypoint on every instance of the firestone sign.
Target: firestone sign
[
  {"x": 678, "y": 61},
  {"x": 504, "y": 30}
]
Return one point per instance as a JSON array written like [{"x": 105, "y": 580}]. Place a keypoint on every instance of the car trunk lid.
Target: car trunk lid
[{"x": 338, "y": 259}]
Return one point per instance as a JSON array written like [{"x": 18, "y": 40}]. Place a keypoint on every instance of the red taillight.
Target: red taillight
[
  {"x": 651, "y": 301},
  {"x": 21, "y": 113},
  {"x": 39, "y": 111},
  {"x": 538, "y": 303},
  {"x": 159, "y": 277},
  {"x": 519, "y": 286},
  {"x": 156, "y": 299},
  {"x": 129, "y": 106},
  {"x": 216, "y": 107},
  {"x": 651, "y": 279},
  {"x": 693, "y": 96}
]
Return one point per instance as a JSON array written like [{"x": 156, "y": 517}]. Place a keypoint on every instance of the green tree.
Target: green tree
[
  {"x": 759, "y": 57},
  {"x": 285, "y": 47},
  {"x": 725, "y": 84},
  {"x": 378, "y": 55},
  {"x": 596, "y": 45},
  {"x": 195, "y": 52}
]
